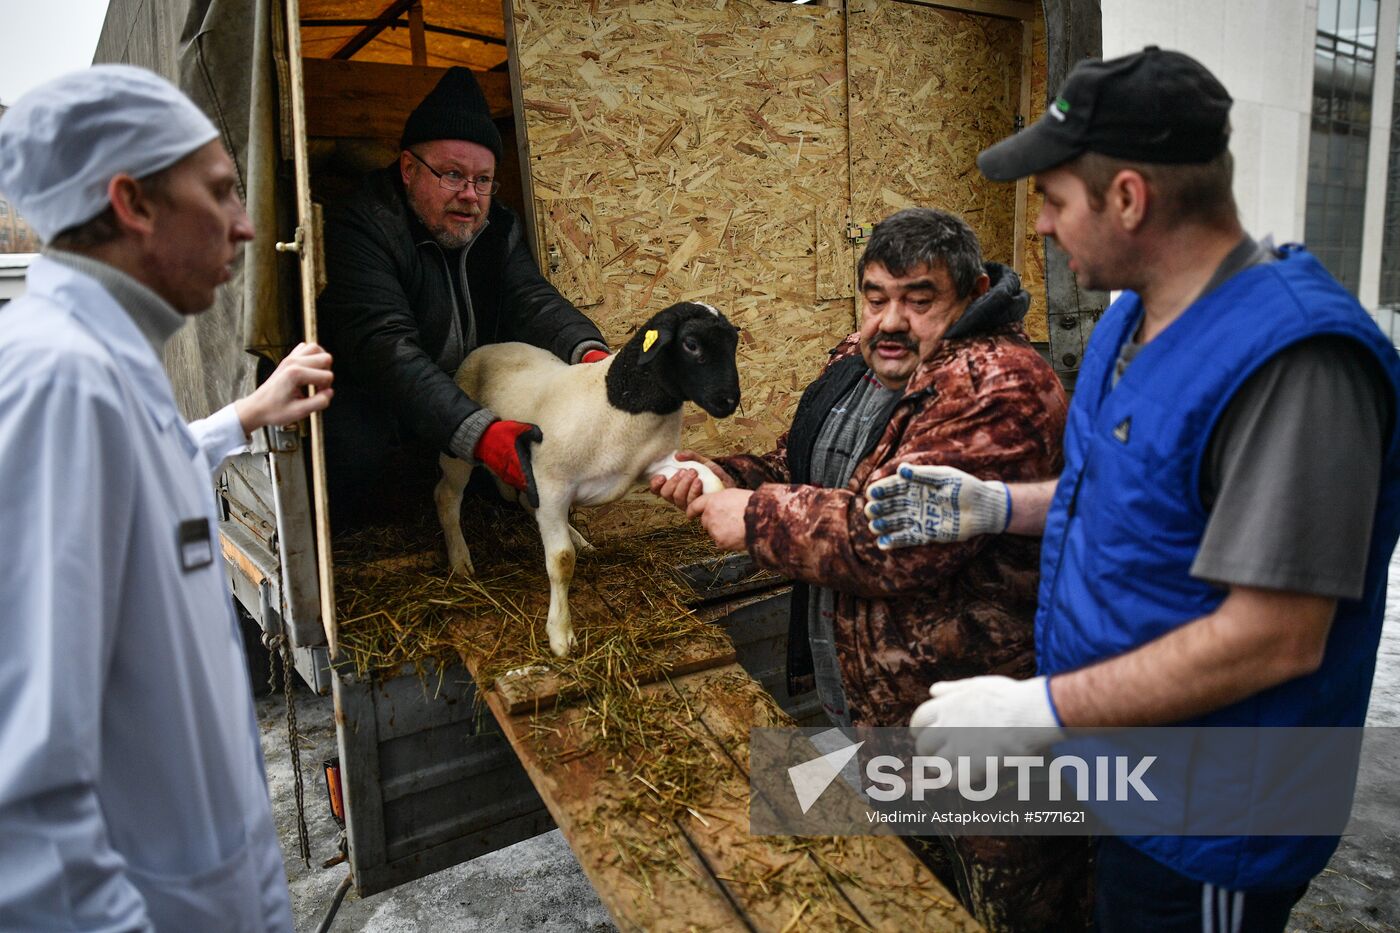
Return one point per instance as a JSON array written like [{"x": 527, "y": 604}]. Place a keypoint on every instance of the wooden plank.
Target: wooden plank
[
  {"x": 522, "y": 140},
  {"x": 1032, "y": 246},
  {"x": 373, "y": 99},
  {"x": 418, "y": 42},
  {"x": 894, "y": 883},
  {"x": 836, "y": 258},
  {"x": 701, "y": 868},
  {"x": 1006, "y": 9},
  {"x": 534, "y": 690},
  {"x": 307, "y": 250},
  {"x": 365, "y": 36},
  {"x": 572, "y": 784},
  {"x": 570, "y": 256},
  {"x": 540, "y": 689},
  {"x": 239, "y": 558},
  {"x": 1018, "y": 245}
]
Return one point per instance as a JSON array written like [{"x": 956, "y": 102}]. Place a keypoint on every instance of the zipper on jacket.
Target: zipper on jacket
[
  {"x": 1070, "y": 510},
  {"x": 465, "y": 307},
  {"x": 469, "y": 339}
]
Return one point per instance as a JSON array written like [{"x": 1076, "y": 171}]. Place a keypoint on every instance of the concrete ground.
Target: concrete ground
[{"x": 538, "y": 884}]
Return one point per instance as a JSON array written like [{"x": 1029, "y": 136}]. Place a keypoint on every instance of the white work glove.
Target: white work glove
[
  {"x": 935, "y": 505},
  {"x": 986, "y": 716}
]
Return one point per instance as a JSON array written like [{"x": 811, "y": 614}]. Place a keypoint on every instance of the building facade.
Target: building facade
[
  {"x": 16, "y": 236},
  {"x": 1316, "y": 139}
]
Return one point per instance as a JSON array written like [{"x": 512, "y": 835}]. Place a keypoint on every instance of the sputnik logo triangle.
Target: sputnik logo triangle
[{"x": 811, "y": 778}]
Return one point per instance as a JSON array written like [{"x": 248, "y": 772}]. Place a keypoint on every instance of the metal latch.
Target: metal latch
[
  {"x": 1019, "y": 123},
  {"x": 266, "y": 619},
  {"x": 282, "y": 440},
  {"x": 860, "y": 231},
  {"x": 294, "y": 246}
]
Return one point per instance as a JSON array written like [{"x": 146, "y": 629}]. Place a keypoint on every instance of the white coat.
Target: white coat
[{"x": 132, "y": 789}]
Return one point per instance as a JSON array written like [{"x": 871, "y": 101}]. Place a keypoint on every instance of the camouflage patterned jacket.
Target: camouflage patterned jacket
[{"x": 985, "y": 403}]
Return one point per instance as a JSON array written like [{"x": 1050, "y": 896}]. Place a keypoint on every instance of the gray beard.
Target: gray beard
[
  {"x": 451, "y": 241},
  {"x": 447, "y": 240}
]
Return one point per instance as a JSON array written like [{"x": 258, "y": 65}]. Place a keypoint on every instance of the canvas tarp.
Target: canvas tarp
[{"x": 225, "y": 55}]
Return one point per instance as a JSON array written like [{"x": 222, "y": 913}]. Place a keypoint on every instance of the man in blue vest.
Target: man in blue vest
[{"x": 1215, "y": 550}]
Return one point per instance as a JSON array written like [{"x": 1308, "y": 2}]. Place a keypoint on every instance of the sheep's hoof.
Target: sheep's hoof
[
  {"x": 561, "y": 642},
  {"x": 461, "y": 566}
]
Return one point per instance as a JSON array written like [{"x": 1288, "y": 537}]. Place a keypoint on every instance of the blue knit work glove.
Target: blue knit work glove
[{"x": 935, "y": 505}]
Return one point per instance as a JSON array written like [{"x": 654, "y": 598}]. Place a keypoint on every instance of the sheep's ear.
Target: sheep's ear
[{"x": 654, "y": 341}]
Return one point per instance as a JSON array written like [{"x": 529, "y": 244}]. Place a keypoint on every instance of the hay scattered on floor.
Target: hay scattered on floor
[{"x": 397, "y": 603}]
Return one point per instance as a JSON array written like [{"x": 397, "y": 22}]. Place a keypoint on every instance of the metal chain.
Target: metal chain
[{"x": 280, "y": 647}]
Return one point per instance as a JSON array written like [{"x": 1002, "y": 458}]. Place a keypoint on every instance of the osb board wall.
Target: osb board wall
[
  {"x": 683, "y": 151},
  {"x": 919, "y": 117}
]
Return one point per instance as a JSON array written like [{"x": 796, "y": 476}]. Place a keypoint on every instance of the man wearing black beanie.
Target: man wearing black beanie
[{"x": 423, "y": 266}]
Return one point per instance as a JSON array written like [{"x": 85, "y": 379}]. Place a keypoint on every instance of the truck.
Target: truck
[
  {"x": 736, "y": 152},
  {"x": 13, "y": 268}
]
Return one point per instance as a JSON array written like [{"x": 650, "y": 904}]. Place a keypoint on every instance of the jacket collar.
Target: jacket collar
[
  {"x": 151, "y": 314},
  {"x": 58, "y": 280},
  {"x": 1004, "y": 302}
]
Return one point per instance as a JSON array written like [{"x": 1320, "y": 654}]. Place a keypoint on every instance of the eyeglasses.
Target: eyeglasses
[{"x": 456, "y": 181}]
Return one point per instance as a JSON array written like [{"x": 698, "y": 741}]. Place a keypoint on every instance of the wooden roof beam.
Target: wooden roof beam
[
  {"x": 367, "y": 35},
  {"x": 403, "y": 23}
]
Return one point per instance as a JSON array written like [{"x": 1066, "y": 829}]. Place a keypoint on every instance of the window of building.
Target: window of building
[
  {"x": 1343, "y": 72},
  {"x": 4, "y": 209}
]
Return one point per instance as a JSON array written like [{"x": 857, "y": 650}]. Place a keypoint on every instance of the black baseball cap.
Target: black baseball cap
[{"x": 1152, "y": 106}]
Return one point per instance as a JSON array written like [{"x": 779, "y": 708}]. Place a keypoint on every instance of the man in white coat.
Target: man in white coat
[{"x": 132, "y": 789}]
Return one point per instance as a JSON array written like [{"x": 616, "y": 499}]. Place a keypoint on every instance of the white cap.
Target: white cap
[{"x": 61, "y": 143}]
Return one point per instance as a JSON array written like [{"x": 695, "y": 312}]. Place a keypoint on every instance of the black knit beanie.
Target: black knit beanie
[{"x": 455, "y": 109}]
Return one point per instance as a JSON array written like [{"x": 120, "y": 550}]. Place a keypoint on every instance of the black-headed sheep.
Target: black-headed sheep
[{"x": 606, "y": 426}]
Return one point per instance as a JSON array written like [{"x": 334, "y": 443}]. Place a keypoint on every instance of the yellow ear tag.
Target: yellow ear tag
[{"x": 649, "y": 339}]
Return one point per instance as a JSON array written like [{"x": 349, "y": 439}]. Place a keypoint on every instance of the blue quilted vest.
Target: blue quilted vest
[{"x": 1127, "y": 521}]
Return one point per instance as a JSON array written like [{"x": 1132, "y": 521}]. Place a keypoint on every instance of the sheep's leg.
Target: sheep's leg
[
  {"x": 553, "y": 519},
  {"x": 448, "y": 496},
  {"x": 580, "y": 542}
]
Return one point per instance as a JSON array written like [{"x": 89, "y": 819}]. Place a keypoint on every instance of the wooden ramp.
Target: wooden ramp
[{"x": 664, "y": 855}]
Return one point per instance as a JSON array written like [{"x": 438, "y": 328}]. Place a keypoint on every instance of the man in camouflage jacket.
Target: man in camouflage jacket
[{"x": 940, "y": 372}]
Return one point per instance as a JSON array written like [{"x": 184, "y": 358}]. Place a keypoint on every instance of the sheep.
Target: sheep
[{"x": 606, "y": 426}]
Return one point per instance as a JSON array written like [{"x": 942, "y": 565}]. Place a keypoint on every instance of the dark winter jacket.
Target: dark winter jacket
[
  {"x": 984, "y": 402},
  {"x": 386, "y": 311}
]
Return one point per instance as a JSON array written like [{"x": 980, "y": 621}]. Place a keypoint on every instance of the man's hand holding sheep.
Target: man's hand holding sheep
[
  {"x": 721, "y": 513},
  {"x": 504, "y": 449},
  {"x": 680, "y": 486}
]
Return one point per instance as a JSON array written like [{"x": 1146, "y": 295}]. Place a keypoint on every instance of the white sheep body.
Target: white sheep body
[
  {"x": 592, "y": 452},
  {"x": 589, "y": 447}
]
